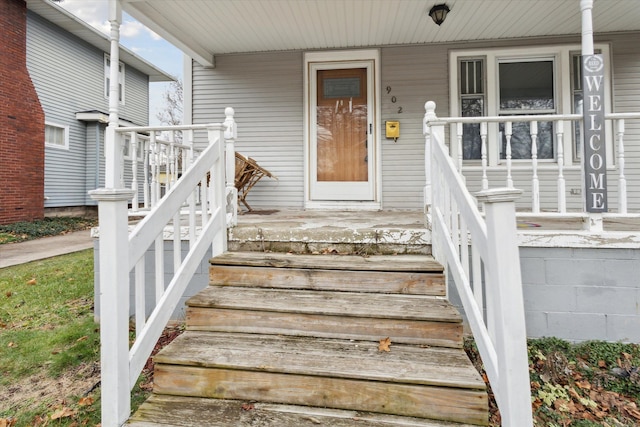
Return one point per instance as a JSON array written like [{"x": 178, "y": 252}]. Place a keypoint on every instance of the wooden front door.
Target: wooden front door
[{"x": 341, "y": 136}]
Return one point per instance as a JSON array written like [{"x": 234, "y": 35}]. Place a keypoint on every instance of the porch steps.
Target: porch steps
[{"x": 275, "y": 330}]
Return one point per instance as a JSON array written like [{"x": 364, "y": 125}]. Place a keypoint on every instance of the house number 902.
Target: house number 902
[{"x": 393, "y": 99}]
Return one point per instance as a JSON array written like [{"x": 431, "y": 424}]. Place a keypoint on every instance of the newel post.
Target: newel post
[
  {"x": 114, "y": 303},
  {"x": 504, "y": 297},
  {"x": 230, "y": 136},
  {"x": 432, "y": 132}
]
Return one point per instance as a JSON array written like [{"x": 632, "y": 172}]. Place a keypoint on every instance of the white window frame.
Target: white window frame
[
  {"x": 65, "y": 130},
  {"x": 562, "y": 88},
  {"x": 121, "y": 79}
]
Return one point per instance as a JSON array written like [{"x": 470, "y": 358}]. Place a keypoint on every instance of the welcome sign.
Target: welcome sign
[{"x": 595, "y": 163}]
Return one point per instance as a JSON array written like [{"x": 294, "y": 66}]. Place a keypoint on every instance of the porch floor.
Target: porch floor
[{"x": 404, "y": 231}]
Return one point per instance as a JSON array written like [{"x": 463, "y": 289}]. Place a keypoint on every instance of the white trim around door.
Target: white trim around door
[{"x": 359, "y": 193}]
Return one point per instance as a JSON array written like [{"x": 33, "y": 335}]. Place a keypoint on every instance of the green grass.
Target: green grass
[{"x": 47, "y": 335}]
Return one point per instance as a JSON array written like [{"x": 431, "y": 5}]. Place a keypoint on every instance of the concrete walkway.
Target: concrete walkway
[{"x": 47, "y": 247}]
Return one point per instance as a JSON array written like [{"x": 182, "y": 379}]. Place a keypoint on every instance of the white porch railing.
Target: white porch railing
[
  {"x": 563, "y": 125},
  {"x": 197, "y": 201},
  {"x": 481, "y": 257},
  {"x": 156, "y": 164}
]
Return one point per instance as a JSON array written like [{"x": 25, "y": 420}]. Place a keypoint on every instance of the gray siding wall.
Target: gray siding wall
[
  {"x": 267, "y": 94},
  {"x": 68, "y": 74}
]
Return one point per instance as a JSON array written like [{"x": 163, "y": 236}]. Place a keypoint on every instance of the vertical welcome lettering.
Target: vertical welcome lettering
[{"x": 594, "y": 155}]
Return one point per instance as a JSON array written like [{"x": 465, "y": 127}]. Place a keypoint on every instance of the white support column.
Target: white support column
[
  {"x": 230, "y": 136},
  {"x": 586, "y": 7},
  {"x": 113, "y": 154},
  {"x": 504, "y": 290},
  {"x": 114, "y": 304}
]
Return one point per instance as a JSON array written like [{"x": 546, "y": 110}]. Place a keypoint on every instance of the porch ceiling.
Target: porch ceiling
[{"x": 205, "y": 28}]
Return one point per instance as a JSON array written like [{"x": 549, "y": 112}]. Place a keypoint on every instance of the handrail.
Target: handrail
[
  {"x": 202, "y": 190},
  {"x": 481, "y": 257}
]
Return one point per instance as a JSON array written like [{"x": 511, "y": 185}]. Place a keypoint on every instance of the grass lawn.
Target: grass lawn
[{"x": 49, "y": 344}]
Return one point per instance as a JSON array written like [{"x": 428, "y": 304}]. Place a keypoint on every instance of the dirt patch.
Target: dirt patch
[{"x": 38, "y": 388}]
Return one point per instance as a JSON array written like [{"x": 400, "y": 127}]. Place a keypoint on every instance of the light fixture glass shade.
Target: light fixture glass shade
[{"x": 438, "y": 13}]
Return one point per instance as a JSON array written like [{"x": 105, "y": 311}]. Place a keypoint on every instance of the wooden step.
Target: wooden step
[
  {"x": 180, "y": 411},
  {"x": 414, "y": 319},
  {"x": 412, "y": 381},
  {"x": 407, "y": 274}
]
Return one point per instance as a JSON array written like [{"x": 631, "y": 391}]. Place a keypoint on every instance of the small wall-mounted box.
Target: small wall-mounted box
[{"x": 392, "y": 129}]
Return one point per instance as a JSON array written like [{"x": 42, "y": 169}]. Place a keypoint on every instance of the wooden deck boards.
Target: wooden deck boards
[{"x": 180, "y": 411}]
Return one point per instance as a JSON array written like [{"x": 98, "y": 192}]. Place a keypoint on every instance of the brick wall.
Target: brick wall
[{"x": 21, "y": 123}]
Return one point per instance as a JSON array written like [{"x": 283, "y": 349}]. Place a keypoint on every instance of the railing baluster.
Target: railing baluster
[
  {"x": 159, "y": 260},
  {"x": 134, "y": 170},
  {"x": 508, "y": 131},
  {"x": 145, "y": 154},
  {"x": 483, "y": 139},
  {"x": 562, "y": 198},
  {"x": 154, "y": 169},
  {"x": 459, "y": 138},
  {"x": 622, "y": 181},
  {"x": 535, "y": 183},
  {"x": 141, "y": 300}
]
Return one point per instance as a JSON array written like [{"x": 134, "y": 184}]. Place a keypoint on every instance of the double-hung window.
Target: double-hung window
[{"x": 540, "y": 80}]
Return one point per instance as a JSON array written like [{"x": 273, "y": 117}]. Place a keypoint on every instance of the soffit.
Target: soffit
[{"x": 206, "y": 28}]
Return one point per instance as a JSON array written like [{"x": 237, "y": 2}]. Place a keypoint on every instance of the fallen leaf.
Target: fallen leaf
[
  {"x": 33, "y": 281},
  {"x": 12, "y": 344},
  {"x": 384, "y": 344},
  {"x": 85, "y": 401},
  {"x": 585, "y": 385},
  {"x": 82, "y": 338},
  {"x": 63, "y": 413},
  {"x": 602, "y": 364},
  {"x": 8, "y": 294},
  {"x": 248, "y": 406}
]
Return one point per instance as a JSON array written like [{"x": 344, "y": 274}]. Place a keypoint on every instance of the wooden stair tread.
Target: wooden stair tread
[
  {"x": 382, "y": 306},
  {"x": 422, "y": 263},
  {"x": 179, "y": 411},
  {"x": 323, "y": 357},
  {"x": 387, "y": 282}
]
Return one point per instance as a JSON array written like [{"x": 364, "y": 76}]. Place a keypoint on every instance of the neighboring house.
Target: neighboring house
[{"x": 68, "y": 62}]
